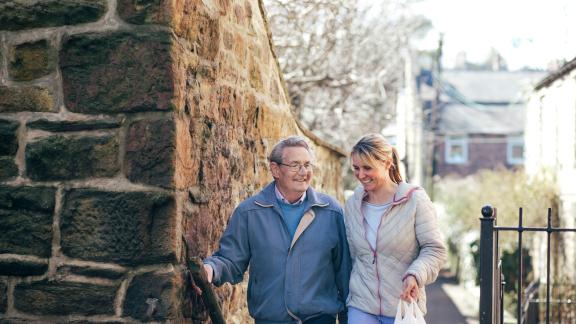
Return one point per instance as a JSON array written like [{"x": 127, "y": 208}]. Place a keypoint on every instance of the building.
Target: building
[
  {"x": 478, "y": 120},
  {"x": 551, "y": 149}
]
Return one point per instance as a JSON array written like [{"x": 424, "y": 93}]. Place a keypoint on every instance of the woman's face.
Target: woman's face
[{"x": 372, "y": 177}]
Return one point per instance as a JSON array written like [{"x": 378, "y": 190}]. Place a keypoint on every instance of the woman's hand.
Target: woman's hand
[{"x": 409, "y": 289}]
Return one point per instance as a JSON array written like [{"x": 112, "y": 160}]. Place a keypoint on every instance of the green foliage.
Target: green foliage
[
  {"x": 463, "y": 198},
  {"x": 510, "y": 268}
]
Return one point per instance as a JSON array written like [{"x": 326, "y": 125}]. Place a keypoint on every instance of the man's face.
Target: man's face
[{"x": 293, "y": 182}]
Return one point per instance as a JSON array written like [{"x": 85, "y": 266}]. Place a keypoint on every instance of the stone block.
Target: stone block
[
  {"x": 150, "y": 151},
  {"x": 153, "y": 296},
  {"x": 201, "y": 29},
  {"x": 255, "y": 76},
  {"x": 30, "y": 61},
  {"x": 63, "y": 158},
  {"x": 64, "y": 298},
  {"x": 91, "y": 272},
  {"x": 26, "y": 220},
  {"x": 26, "y": 98},
  {"x": 111, "y": 72},
  {"x": 228, "y": 40},
  {"x": 128, "y": 228},
  {"x": 18, "y": 14},
  {"x": 72, "y": 125},
  {"x": 8, "y": 169},
  {"x": 3, "y": 297},
  {"x": 239, "y": 14},
  {"x": 22, "y": 268},
  {"x": 144, "y": 12},
  {"x": 8, "y": 137},
  {"x": 206, "y": 33}
]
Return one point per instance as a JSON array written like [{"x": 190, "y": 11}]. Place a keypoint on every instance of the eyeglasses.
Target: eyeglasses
[{"x": 295, "y": 167}]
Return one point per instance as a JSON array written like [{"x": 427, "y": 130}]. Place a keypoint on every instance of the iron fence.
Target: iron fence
[{"x": 491, "y": 277}]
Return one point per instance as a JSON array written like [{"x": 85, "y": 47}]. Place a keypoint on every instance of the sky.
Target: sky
[{"x": 527, "y": 33}]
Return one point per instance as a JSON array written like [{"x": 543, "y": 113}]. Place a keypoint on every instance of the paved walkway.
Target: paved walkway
[{"x": 449, "y": 303}]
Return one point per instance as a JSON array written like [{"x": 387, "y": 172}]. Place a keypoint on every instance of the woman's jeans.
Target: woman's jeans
[{"x": 356, "y": 316}]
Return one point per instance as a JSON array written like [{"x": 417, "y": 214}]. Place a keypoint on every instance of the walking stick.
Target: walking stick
[{"x": 198, "y": 278}]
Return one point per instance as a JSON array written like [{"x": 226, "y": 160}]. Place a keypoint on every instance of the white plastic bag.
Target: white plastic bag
[{"x": 412, "y": 313}]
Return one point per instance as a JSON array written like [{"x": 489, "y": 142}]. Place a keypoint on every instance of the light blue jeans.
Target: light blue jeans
[{"x": 356, "y": 316}]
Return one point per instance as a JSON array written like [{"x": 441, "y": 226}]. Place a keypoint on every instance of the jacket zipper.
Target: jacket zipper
[
  {"x": 285, "y": 305},
  {"x": 288, "y": 256},
  {"x": 375, "y": 262},
  {"x": 375, "y": 256}
]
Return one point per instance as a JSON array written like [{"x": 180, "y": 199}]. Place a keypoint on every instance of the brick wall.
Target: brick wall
[
  {"x": 484, "y": 152},
  {"x": 123, "y": 125}
]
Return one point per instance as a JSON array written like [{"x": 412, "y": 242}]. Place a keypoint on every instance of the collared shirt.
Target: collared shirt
[{"x": 281, "y": 197}]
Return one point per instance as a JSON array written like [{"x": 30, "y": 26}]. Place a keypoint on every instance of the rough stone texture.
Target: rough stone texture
[
  {"x": 22, "y": 268},
  {"x": 144, "y": 12},
  {"x": 8, "y": 168},
  {"x": 30, "y": 61},
  {"x": 203, "y": 32},
  {"x": 26, "y": 220},
  {"x": 8, "y": 137},
  {"x": 150, "y": 152},
  {"x": 8, "y": 148},
  {"x": 236, "y": 110},
  {"x": 63, "y": 158},
  {"x": 18, "y": 14},
  {"x": 72, "y": 125},
  {"x": 198, "y": 23},
  {"x": 64, "y": 320},
  {"x": 64, "y": 298},
  {"x": 126, "y": 228},
  {"x": 203, "y": 102},
  {"x": 165, "y": 288},
  {"x": 90, "y": 272},
  {"x": 3, "y": 297},
  {"x": 110, "y": 73},
  {"x": 26, "y": 98}
]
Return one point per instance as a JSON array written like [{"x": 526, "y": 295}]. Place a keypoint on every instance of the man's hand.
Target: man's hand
[
  {"x": 209, "y": 272},
  {"x": 409, "y": 289}
]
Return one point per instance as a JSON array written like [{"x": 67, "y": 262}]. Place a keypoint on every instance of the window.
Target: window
[
  {"x": 456, "y": 149},
  {"x": 515, "y": 150}
]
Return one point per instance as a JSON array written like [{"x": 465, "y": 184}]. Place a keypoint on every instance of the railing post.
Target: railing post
[{"x": 486, "y": 264}]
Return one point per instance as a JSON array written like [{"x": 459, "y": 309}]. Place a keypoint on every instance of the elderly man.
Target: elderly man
[{"x": 294, "y": 240}]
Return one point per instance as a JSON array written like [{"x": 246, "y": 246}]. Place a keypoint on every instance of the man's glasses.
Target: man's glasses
[{"x": 295, "y": 167}]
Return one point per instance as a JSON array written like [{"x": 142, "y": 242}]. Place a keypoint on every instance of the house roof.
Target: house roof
[
  {"x": 488, "y": 87},
  {"x": 460, "y": 119},
  {"x": 563, "y": 70}
]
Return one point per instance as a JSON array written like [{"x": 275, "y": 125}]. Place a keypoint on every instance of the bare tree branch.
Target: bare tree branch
[{"x": 342, "y": 62}]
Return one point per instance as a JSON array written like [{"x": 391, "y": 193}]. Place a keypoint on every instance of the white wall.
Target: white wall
[{"x": 550, "y": 143}]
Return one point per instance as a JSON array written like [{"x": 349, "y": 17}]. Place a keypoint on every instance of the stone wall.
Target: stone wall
[{"x": 125, "y": 124}]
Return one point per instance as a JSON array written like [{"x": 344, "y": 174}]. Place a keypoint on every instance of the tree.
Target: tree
[{"x": 342, "y": 61}]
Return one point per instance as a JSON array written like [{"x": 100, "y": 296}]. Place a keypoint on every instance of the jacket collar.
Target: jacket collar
[
  {"x": 402, "y": 195},
  {"x": 267, "y": 197}
]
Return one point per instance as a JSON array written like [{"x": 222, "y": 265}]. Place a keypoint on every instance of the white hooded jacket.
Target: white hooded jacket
[{"x": 408, "y": 242}]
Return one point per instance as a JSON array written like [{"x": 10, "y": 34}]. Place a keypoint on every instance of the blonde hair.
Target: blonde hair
[{"x": 373, "y": 149}]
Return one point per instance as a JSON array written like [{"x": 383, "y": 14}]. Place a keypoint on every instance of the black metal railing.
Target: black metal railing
[{"x": 491, "y": 279}]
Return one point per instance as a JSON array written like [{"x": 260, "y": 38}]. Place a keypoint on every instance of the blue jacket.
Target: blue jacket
[{"x": 290, "y": 279}]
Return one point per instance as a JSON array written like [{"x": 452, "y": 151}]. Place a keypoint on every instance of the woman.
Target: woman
[{"x": 394, "y": 240}]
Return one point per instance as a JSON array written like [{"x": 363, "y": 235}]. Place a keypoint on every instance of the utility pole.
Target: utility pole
[{"x": 432, "y": 126}]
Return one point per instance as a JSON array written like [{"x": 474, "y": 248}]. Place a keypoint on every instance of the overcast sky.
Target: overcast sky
[{"x": 525, "y": 32}]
